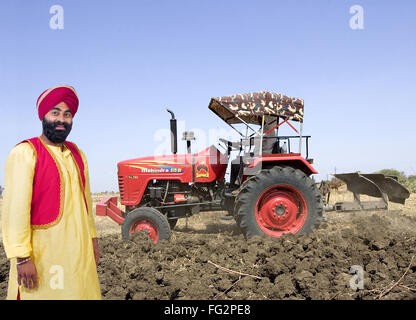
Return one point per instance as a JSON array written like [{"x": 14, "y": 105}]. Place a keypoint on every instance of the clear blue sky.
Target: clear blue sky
[{"x": 129, "y": 60}]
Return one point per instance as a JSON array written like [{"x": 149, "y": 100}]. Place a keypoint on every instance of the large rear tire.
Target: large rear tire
[
  {"x": 277, "y": 201},
  {"x": 146, "y": 219}
]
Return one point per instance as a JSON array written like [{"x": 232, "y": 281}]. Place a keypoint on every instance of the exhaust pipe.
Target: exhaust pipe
[{"x": 173, "y": 133}]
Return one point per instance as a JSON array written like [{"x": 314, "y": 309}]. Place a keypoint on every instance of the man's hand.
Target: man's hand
[
  {"x": 96, "y": 251},
  {"x": 27, "y": 274}
]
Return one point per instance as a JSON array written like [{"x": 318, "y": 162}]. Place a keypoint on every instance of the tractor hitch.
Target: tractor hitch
[{"x": 108, "y": 207}]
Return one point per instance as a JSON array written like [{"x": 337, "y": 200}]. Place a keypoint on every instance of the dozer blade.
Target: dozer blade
[
  {"x": 374, "y": 185},
  {"x": 358, "y": 184},
  {"x": 395, "y": 191}
]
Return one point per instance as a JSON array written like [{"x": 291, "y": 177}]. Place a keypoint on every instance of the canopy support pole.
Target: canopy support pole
[
  {"x": 246, "y": 124},
  {"x": 300, "y": 138},
  {"x": 261, "y": 136},
  {"x": 235, "y": 129}
]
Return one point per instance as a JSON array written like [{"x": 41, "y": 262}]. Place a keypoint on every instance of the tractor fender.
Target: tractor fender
[{"x": 294, "y": 160}]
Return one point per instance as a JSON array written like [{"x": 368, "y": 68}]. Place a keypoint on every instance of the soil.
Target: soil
[{"x": 208, "y": 258}]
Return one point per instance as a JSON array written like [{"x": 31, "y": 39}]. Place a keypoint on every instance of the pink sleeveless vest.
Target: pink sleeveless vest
[{"x": 48, "y": 188}]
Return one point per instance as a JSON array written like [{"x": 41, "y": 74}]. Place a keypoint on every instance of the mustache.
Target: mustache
[{"x": 53, "y": 125}]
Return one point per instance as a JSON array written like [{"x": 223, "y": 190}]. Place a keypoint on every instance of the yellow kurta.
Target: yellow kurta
[{"x": 63, "y": 254}]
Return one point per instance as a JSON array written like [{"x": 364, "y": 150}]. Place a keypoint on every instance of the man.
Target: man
[
  {"x": 48, "y": 226},
  {"x": 269, "y": 138}
]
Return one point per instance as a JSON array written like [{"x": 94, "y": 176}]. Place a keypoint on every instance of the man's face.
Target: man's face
[{"x": 57, "y": 123}]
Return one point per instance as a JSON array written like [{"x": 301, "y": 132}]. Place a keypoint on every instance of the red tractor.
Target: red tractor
[{"x": 270, "y": 190}]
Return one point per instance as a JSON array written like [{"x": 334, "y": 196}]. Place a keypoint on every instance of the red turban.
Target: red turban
[{"x": 53, "y": 96}]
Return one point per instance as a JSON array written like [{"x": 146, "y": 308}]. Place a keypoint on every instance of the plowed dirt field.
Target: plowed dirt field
[{"x": 208, "y": 258}]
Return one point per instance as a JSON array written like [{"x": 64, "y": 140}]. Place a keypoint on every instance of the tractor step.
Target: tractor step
[
  {"x": 227, "y": 217},
  {"x": 229, "y": 193}
]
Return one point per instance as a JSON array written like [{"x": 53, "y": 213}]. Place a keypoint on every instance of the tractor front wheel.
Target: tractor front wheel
[
  {"x": 277, "y": 201},
  {"x": 147, "y": 219}
]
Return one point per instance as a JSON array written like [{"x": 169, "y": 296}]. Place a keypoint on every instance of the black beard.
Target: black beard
[{"x": 55, "y": 136}]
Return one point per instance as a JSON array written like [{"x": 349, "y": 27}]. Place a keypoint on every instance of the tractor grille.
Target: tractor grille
[{"x": 121, "y": 186}]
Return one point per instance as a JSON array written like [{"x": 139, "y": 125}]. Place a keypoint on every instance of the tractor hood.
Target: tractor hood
[
  {"x": 203, "y": 167},
  {"x": 159, "y": 164},
  {"x": 176, "y": 163}
]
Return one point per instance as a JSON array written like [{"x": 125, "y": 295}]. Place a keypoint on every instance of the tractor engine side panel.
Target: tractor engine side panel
[
  {"x": 134, "y": 178},
  {"x": 134, "y": 175}
]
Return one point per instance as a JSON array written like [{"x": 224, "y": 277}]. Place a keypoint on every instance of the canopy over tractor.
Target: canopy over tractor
[
  {"x": 251, "y": 107},
  {"x": 265, "y": 109}
]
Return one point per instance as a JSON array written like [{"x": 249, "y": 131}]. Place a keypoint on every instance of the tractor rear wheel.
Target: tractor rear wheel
[
  {"x": 277, "y": 201},
  {"x": 147, "y": 219}
]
